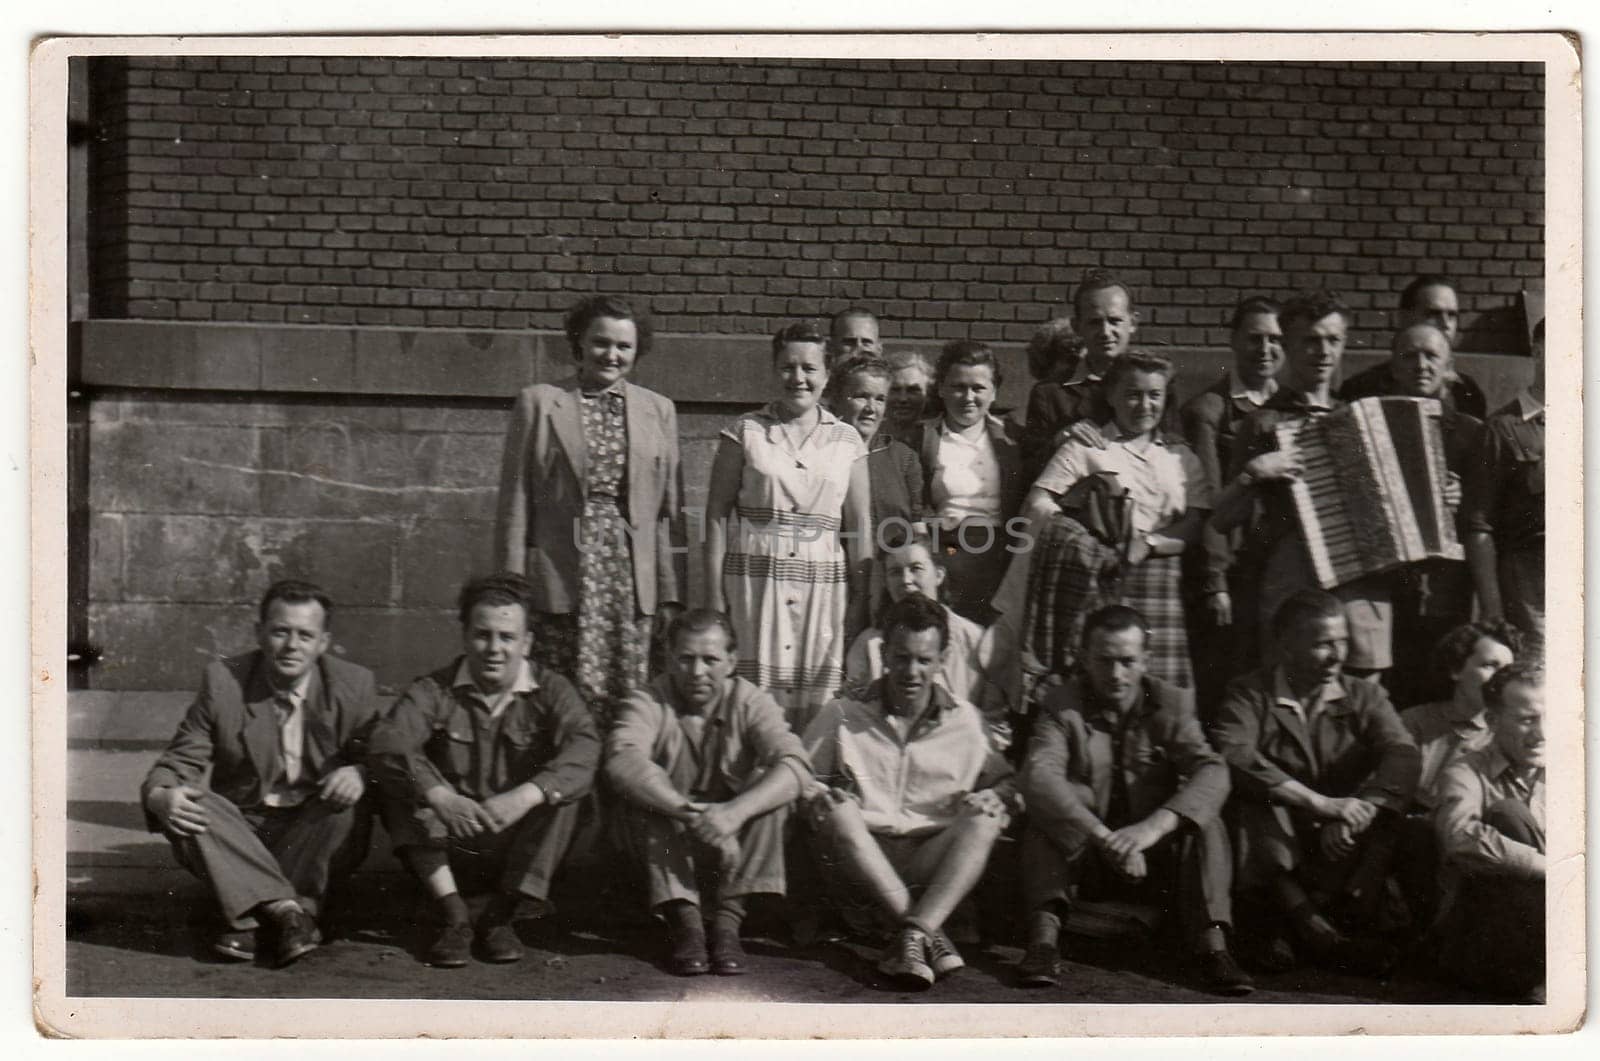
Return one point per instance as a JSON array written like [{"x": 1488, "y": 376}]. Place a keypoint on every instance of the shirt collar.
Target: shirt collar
[
  {"x": 1528, "y": 406},
  {"x": 525, "y": 682},
  {"x": 297, "y": 693},
  {"x": 1258, "y": 398},
  {"x": 939, "y": 700},
  {"x": 1081, "y": 373},
  {"x": 1100, "y": 707},
  {"x": 970, "y": 435},
  {"x": 1286, "y": 397},
  {"x": 1112, "y": 433},
  {"x": 1283, "y": 694}
]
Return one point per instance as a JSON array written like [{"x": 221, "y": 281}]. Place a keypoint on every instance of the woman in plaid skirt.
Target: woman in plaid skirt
[{"x": 1169, "y": 499}]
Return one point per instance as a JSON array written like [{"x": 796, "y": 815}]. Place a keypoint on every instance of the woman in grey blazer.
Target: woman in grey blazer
[{"x": 590, "y": 506}]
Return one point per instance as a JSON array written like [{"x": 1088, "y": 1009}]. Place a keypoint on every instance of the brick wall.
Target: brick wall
[{"x": 959, "y": 199}]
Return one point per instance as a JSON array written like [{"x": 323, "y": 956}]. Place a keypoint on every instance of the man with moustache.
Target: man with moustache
[
  {"x": 481, "y": 764},
  {"x": 1124, "y": 797},
  {"x": 1491, "y": 830},
  {"x": 910, "y": 794},
  {"x": 707, "y": 768},
  {"x": 1104, "y": 318},
  {"x": 1426, "y": 300},
  {"x": 281, "y": 730},
  {"x": 1211, "y": 420},
  {"x": 1322, "y": 769},
  {"x": 1272, "y": 553},
  {"x": 1434, "y": 596},
  {"x": 853, "y": 331}
]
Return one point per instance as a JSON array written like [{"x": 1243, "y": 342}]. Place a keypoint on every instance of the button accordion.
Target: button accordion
[{"x": 1371, "y": 493}]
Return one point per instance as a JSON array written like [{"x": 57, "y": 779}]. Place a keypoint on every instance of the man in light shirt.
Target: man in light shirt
[
  {"x": 482, "y": 763},
  {"x": 1491, "y": 829},
  {"x": 281, "y": 730},
  {"x": 910, "y": 793}
]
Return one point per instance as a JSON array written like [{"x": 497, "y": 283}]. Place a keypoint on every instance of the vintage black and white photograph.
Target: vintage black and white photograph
[{"x": 868, "y": 524}]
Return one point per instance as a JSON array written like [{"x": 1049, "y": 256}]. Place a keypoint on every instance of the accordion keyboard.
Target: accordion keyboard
[{"x": 1330, "y": 536}]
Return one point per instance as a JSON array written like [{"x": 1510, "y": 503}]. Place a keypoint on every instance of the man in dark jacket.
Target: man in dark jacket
[
  {"x": 281, "y": 730},
  {"x": 1123, "y": 791},
  {"x": 1322, "y": 769},
  {"x": 482, "y": 763}
]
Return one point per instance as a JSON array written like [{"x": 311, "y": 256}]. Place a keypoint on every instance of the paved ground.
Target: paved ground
[{"x": 138, "y": 926}]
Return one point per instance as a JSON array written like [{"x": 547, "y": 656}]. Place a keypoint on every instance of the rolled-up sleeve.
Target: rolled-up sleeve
[{"x": 1469, "y": 842}]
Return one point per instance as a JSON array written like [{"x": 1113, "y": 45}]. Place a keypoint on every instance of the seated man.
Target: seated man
[
  {"x": 281, "y": 731},
  {"x": 706, "y": 768},
  {"x": 1490, "y": 825},
  {"x": 481, "y": 764},
  {"x": 1123, "y": 791},
  {"x": 915, "y": 795},
  {"x": 1322, "y": 769}
]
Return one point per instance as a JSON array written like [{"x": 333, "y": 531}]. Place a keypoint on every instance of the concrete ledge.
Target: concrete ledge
[
  {"x": 494, "y": 365},
  {"x": 108, "y": 718}
]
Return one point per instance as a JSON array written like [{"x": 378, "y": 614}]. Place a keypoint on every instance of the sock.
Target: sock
[
  {"x": 729, "y": 916},
  {"x": 1044, "y": 925},
  {"x": 682, "y": 916},
  {"x": 454, "y": 909},
  {"x": 1211, "y": 938}
]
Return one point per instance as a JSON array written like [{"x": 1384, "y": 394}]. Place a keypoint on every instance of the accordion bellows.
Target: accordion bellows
[{"x": 1371, "y": 493}]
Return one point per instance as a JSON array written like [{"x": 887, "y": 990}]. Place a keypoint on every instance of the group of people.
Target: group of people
[{"x": 923, "y": 631}]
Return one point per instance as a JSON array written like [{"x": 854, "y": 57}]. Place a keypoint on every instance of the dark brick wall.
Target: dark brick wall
[{"x": 959, "y": 199}]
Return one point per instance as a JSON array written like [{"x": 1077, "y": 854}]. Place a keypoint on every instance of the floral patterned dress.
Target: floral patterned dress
[{"x": 604, "y": 645}]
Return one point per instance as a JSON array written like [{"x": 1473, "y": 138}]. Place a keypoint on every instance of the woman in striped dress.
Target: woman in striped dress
[{"x": 786, "y": 479}]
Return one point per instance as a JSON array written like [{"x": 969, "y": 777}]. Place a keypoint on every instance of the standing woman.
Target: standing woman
[
  {"x": 793, "y": 475},
  {"x": 1169, "y": 497},
  {"x": 590, "y": 506},
  {"x": 972, "y": 466}
]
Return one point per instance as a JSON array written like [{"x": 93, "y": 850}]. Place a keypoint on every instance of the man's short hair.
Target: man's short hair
[
  {"x": 966, "y": 352},
  {"x": 856, "y": 365},
  {"x": 848, "y": 313},
  {"x": 1052, "y": 341},
  {"x": 497, "y": 590},
  {"x": 1252, "y": 304},
  {"x": 1515, "y": 673},
  {"x": 594, "y": 307},
  {"x": 1306, "y": 606},
  {"x": 899, "y": 359},
  {"x": 699, "y": 621},
  {"x": 915, "y": 613},
  {"x": 797, "y": 332},
  {"x": 1395, "y": 342},
  {"x": 1312, "y": 306},
  {"x": 1098, "y": 280},
  {"x": 1113, "y": 619},
  {"x": 1456, "y": 647},
  {"x": 1413, "y": 290},
  {"x": 295, "y": 591}
]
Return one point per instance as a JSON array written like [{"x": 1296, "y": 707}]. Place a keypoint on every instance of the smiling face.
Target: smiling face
[
  {"x": 496, "y": 640},
  {"x": 908, "y": 394},
  {"x": 1314, "y": 650},
  {"x": 910, "y": 569},
  {"x": 967, "y": 392},
  {"x": 701, "y": 666},
  {"x": 1422, "y": 362},
  {"x": 802, "y": 374},
  {"x": 292, "y": 638},
  {"x": 862, "y": 402},
  {"x": 1436, "y": 305},
  {"x": 1137, "y": 400},
  {"x": 1519, "y": 725},
  {"x": 913, "y": 659},
  {"x": 1257, "y": 349},
  {"x": 606, "y": 352},
  {"x": 1313, "y": 350},
  {"x": 1115, "y": 662},
  {"x": 1106, "y": 321},
  {"x": 1488, "y": 656}
]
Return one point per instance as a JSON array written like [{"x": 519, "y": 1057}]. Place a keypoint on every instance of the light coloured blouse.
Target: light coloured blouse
[
  {"x": 966, "y": 483},
  {"x": 1164, "y": 479}
]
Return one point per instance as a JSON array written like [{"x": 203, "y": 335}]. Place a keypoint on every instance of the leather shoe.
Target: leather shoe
[
  {"x": 1223, "y": 975},
  {"x": 240, "y": 945},
  {"x": 452, "y": 947},
  {"x": 500, "y": 943},
  {"x": 727, "y": 951},
  {"x": 1040, "y": 966},
  {"x": 297, "y": 936},
  {"x": 688, "y": 957}
]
